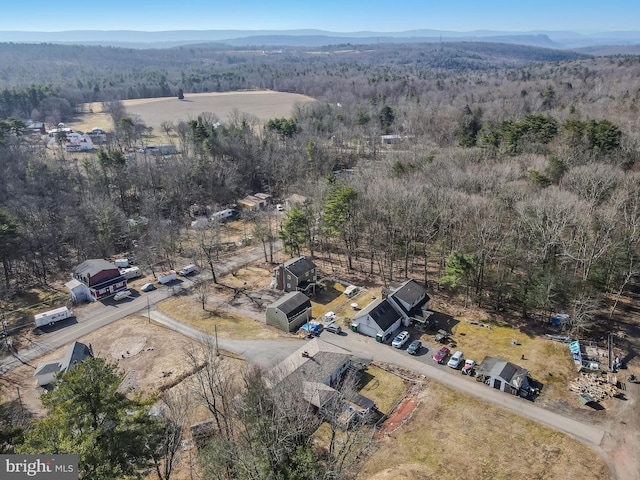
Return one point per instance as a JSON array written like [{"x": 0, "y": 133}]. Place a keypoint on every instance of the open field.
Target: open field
[
  {"x": 453, "y": 436},
  {"x": 154, "y": 111}
]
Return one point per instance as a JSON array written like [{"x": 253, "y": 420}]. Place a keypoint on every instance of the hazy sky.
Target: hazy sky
[{"x": 334, "y": 15}]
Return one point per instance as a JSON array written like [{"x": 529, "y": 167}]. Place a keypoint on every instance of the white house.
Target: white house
[
  {"x": 77, "y": 352},
  {"x": 77, "y": 142},
  {"x": 398, "y": 307}
]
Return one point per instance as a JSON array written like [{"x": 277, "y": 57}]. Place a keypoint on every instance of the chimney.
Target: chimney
[
  {"x": 305, "y": 354},
  {"x": 279, "y": 271}
]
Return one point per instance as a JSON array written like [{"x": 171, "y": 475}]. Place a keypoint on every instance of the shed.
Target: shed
[{"x": 502, "y": 375}]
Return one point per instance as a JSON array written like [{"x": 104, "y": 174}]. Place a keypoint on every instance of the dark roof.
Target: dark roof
[
  {"x": 49, "y": 367},
  {"x": 410, "y": 292},
  {"x": 384, "y": 314},
  {"x": 92, "y": 267},
  {"x": 76, "y": 353},
  {"x": 108, "y": 282},
  {"x": 496, "y": 367},
  {"x": 292, "y": 304},
  {"x": 299, "y": 266},
  {"x": 363, "y": 401}
]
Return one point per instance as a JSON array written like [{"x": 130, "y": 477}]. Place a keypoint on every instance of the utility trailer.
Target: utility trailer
[{"x": 52, "y": 316}]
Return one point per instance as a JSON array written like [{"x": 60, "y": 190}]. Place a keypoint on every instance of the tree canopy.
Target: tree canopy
[{"x": 88, "y": 414}]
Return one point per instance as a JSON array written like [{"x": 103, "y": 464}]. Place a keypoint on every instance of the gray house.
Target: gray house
[
  {"x": 313, "y": 372},
  {"x": 502, "y": 375},
  {"x": 289, "y": 312},
  {"x": 296, "y": 275},
  {"x": 76, "y": 353},
  {"x": 410, "y": 299}
]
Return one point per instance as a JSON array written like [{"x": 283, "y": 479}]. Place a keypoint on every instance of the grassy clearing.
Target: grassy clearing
[
  {"x": 383, "y": 387},
  {"x": 188, "y": 310},
  {"x": 453, "y": 436},
  {"x": 339, "y": 304},
  {"x": 252, "y": 278},
  {"x": 542, "y": 357}
]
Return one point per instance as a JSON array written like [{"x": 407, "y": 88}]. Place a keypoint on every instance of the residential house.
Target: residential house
[
  {"x": 398, "y": 306},
  {"x": 252, "y": 202},
  {"x": 78, "y": 142},
  {"x": 411, "y": 299},
  {"x": 289, "y": 312},
  {"x": 77, "y": 352},
  {"x": 314, "y": 375},
  {"x": 102, "y": 278},
  {"x": 35, "y": 128},
  {"x": 315, "y": 370},
  {"x": 298, "y": 274},
  {"x": 504, "y": 376},
  {"x": 379, "y": 320}
]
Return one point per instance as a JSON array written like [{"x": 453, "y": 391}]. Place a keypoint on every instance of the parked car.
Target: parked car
[
  {"x": 414, "y": 347},
  {"x": 400, "y": 339},
  {"x": 441, "y": 355},
  {"x": 333, "y": 328},
  {"x": 313, "y": 328},
  {"x": 468, "y": 367},
  {"x": 147, "y": 287},
  {"x": 456, "y": 360},
  {"x": 279, "y": 208},
  {"x": 122, "y": 295}
]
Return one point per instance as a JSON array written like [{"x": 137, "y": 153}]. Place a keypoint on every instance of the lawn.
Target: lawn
[
  {"x": 547, "y": 361},
  {"x": 383, "y": 387},
  {"x": 453, "y": 436},
  {"x": 229, "y": 325}
]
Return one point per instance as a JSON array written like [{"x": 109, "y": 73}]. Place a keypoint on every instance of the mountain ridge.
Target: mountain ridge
[{"x": 316, "y": 37}]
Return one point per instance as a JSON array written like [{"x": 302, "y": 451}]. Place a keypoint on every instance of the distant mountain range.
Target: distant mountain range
[{"x": 319, "y": 38}]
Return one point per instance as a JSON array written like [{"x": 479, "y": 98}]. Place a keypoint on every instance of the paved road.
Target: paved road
[
  {"x": 269, "y": 352},
  {"x": 100, "y": 315}
]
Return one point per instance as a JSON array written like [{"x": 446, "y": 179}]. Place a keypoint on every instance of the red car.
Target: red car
[{"x": 441, "y": 355}]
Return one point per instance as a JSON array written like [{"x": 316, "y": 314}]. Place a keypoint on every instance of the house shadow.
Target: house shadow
[
  {"x": 440, "y": 321},
  {"x": 326, "y": 295}
]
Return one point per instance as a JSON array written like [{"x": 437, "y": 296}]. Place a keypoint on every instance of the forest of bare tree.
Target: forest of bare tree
[{"x": 511, "y": 179}]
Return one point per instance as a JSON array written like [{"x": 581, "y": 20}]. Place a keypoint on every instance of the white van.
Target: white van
[{"x": 187, "y": 270}]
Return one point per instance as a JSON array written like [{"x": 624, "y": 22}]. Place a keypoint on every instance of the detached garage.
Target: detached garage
[
  {"x": 378, "y": 320},
  {"x": 289, "y": 312}
]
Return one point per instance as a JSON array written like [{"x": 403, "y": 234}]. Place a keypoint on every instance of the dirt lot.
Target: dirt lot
[
  {"x": 153, "y": 357},
  {"x": 153, "y": 111}
]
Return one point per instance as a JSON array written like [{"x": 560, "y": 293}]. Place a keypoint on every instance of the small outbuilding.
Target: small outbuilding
[
  {"x": 504, "y": 376},
  {"x": 289, "y": 312}
]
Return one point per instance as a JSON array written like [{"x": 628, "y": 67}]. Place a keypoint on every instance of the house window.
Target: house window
[
  {"x": 288, "y": 285},
  {"x": 288, "y": 277}
]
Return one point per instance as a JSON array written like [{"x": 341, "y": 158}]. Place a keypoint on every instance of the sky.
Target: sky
[{"x": 586, "y": 16}]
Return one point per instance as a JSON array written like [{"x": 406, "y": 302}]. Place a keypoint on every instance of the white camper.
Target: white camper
[
  {"x": 131, "y": 272},
  {"x": 52, "y": 316},
  {"x": 166, "y": 277},
  {"x": 122, "y": 262}
]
